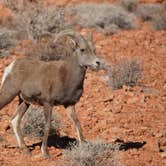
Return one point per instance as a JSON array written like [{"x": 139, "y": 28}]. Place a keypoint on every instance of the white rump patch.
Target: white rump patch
[{"x": 7, "y": 71}]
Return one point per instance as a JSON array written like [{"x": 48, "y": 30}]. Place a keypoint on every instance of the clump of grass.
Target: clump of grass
[
  {"x": 32, "y": 20},
  {"x": 17, "y": 5},
  {"x": 34, "y": 121},
  {"x": 32, "y": 23},
  {"x": 126, "y": 72},
  {"x": 8, "y": 40},
  {"x": 94, "y": 153},
  {"x": 147, "y": 11},
  {"x": 129, "y": 5},
  {"x": 106, "y": 18},
  {"x": 159, "y": 21}
]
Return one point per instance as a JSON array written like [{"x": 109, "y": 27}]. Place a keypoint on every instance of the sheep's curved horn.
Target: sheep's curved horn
[
  {"x": 73, "y": 34},
  {"x": 90, "y": 40}
]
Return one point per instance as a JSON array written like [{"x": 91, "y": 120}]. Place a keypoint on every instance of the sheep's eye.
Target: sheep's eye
[{"x": 82, "y": 50}]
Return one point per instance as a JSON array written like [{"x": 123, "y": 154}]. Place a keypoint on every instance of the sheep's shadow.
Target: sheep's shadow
[
  {"x": 57, "y": 142},
  {"x": 65, "y": 142},
  {"x": 129, "y": 145}
]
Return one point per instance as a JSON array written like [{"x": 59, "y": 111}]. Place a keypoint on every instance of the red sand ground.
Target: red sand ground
[{"x": 127, "y": 114}]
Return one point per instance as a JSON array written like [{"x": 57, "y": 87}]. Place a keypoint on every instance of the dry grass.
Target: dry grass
[
  {"x": 126, "y": 72},
  {"x": 34, "y": 121},
  {"x": 94, "y": 153},
  {"x": 17, "y": 5},
  {"x": 32, "y": 20},
  {"x": 32, "y": 23},
  {"x": 159, "y": 21},
  {"x": 106, "y": 18},
  {"x": 147, "y": 11},
  {"x": 8, "y": 40},
  {"x": 129, "y": 5}
]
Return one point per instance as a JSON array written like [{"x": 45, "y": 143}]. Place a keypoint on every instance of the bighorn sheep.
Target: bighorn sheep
[{"x": 49, "y": 84}]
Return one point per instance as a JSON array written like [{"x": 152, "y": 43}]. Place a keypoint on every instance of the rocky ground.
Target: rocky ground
[{"x": 134, "y": 116}]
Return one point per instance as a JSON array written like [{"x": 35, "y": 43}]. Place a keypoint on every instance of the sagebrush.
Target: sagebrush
[
  {"x": 33, "y": 122},
  {"x": 16, "y": 5},
  {"x": 148, "y": 11},
  {"x": 129, "y": 5},
  {"x": 32, "y": 20},
  {"x": 106, "y": 18},
  {"x": 159, "y": 21},
  {"x": 94, "y": 153},
  {"x": 126, "y": 72},
  {"x": 8, "y": 40},
  {"x": 32, "y": 23},
  {"x": 29, "y": 21}
]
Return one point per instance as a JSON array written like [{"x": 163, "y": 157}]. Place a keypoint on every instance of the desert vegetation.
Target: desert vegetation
[
  {"x": 108, "y": 19},
  {"x": 94, "y": 153},
  {"x": 126, "y": 72},
  {"x": 34, "y": 121},
  {"x": 31, "y": 20},
  {"x": 130, "y": 108}
]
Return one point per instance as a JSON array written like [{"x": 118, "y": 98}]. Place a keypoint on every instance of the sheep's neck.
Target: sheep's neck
[{"x": 75, "y": 84}]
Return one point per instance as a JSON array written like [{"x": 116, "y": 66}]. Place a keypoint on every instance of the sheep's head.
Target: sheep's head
[{"x": 84, "y": 50}]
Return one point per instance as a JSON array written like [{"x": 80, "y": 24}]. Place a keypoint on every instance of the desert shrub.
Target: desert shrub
[
  {"x": 129, "y": 5},
  {"x": 31, "y": 19},
  {"x": 94, "y": 153},
  {"x": 13, "y": 5},
  {"x": 148, "y": 11},
  {"x": 126, "y": 72},
  {"x": 34, "y": 121},
  {"x": 34, "y": 22},
  {"x": 159, "y": 21},
  {"x": 105, "y": 17},
  {"x": 8, "y": 39},
  {"x": 17, "y": 5}
]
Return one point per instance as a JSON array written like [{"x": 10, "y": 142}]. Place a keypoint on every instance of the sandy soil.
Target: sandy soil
[{"x": 135, "y": 116}]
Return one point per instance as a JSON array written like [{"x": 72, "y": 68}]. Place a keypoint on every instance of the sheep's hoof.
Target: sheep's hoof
[
  {"x": 27, "y": 152},
  {"x": 46, "y": 155}
]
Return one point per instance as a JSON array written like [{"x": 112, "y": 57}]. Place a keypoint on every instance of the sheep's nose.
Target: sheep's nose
[{"x": 98, "y": 63}]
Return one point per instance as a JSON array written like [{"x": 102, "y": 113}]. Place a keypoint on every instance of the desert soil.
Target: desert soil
[{"x": 136, "y": 116}]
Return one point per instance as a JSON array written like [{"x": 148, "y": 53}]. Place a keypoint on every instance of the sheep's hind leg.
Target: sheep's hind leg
[
  {"x": 72, "y": 115},
  {"x": 47, "y": 112},
  {"x": 16, "y": 121}
]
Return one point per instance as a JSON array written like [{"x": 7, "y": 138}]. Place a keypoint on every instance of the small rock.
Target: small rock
[
  {"x": 150, "y": 91},
  {"x": 159, "y": 135},
  {"x": 132, "y": 100},
  {"x": 109, "y": 98},
  {"x": 163, "y": 155}
]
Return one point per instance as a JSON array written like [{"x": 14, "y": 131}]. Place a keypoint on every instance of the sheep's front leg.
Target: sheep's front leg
[
  {"x": 16, "y": 121},
  {"x": 72, "y": 115},
  {"x": 47, "y": 112}
]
